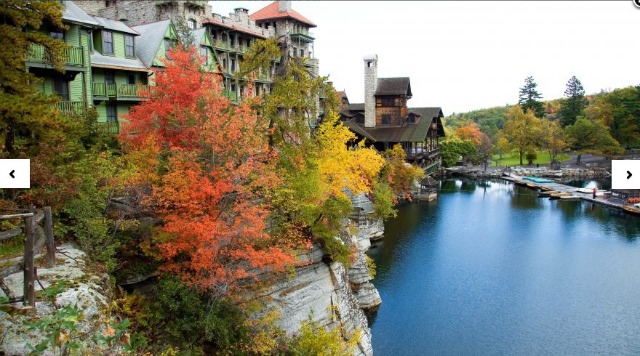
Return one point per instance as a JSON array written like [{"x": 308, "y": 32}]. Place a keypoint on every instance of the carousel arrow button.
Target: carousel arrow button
[{"x": 629, "y": 174}]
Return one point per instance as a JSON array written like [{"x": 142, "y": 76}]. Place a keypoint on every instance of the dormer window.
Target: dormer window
[
  {"x": 107, "y": 42},
  {"x": 128, "y": 46}
]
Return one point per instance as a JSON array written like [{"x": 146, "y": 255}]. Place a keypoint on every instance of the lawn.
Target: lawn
[{"x": 513, "y": 159}]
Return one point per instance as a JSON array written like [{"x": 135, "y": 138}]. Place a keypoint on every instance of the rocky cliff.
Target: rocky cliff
[{"x": 328, "y": 292}]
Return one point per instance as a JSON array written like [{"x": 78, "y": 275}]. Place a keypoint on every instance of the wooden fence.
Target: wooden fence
[{"x": 35, "y": 238}]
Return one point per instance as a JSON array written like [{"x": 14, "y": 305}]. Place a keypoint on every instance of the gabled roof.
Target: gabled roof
[
  {"x": 115, "y": 25},
  {"x": 198, "y": 34},
  {"x": 409, "y": 132},
  {"x": 73, "y": 13},
  {"x": 151, "y": 37},
  {"x": 271, "y": 12},
  {"x": 356, "y": 107},
  {"x": 393, "y": 86}
]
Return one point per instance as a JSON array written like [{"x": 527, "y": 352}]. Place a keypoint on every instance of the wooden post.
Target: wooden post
[
  {"x": 48, "y": 231},
  {"x": 29, "y": 298}
]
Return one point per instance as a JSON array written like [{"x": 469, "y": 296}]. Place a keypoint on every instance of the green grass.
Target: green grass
[
  {"x": 513, "y": 159},
  {"x": 11, "y": 247}
]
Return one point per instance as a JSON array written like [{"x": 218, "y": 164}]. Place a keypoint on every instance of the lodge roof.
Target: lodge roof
[
  {"x": 271, "y": 12},
  {"x": 393, "y": 86},
  {"x": 151, "y": 36},
  {"x": 73, "y": 13},
  {"x": 100, "y": 61},
  {"x": 115, "y": 25}
]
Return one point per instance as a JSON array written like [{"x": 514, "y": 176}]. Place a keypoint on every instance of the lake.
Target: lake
[{"x": 490, "y": 268}]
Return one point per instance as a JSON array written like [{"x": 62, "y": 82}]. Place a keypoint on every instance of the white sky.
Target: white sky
[{"x": 466, "y": 55}]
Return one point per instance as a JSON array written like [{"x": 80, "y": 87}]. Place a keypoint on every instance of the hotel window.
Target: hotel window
[
  {"x": 128, "y": 46},
  {"x": 386, "y": 119},
  {"x": 191, "y": 24},
  {"x": 107, "y": 42},
  {"x": 62, "y": 88},
  {"x": 112, "y": 113}
]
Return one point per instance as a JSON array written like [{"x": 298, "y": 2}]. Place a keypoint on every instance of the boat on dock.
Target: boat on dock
[
  {"x": 599, "y": 193},
  {"x": 631, "y": 209},
  {"x": 570, "y": 198},
  {"x": 547, "y": 193},
  {"x": 539, "y": 180},
  {"x": 559, "y": 195}
]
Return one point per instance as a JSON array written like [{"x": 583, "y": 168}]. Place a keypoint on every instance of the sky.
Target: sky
[{"x": 468, "y": 55}]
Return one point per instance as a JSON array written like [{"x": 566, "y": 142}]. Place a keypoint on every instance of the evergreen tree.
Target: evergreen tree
[
  {"x": 574, "y": 105},
  {"x": 529, "y": 97}
]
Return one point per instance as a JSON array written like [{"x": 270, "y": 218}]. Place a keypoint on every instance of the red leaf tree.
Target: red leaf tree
[{"x": 210, "y": 179}]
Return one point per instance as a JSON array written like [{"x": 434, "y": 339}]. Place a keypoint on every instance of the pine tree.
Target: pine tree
[
  {"x": 574, "y": 105},
  {"x": 528, "y": 98}
]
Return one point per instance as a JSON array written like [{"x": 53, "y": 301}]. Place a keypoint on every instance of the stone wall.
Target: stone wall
[{"x": 370, "y": 83}]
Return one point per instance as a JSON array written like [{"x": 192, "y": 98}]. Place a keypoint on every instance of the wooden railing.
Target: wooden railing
[
  {"x": 231, "y": 95},
  {"x": 35, "y": 239},
  {"x": 73, "y": 55},
  {"x": 125, "y": 91},
  {"x": 221, "y": 44},
  {"x": 110, "y": 126},
  {"x": 72, "y": 107}
]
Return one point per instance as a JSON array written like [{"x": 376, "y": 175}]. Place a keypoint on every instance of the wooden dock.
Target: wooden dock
[{"x": 563, "y": 189}]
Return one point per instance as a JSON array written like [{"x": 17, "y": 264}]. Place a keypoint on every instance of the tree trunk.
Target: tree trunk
[{"x": 521, "y": 153}]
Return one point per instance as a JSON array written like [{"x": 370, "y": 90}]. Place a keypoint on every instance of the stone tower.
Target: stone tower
[{"x": 370, "y": 83}]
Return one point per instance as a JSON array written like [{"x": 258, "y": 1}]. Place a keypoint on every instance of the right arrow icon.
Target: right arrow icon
[{"x": 629, "y": 174}]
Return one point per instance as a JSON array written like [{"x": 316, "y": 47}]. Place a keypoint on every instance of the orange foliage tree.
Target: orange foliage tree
[
  {"x": 209, "y": 170},
  {"x": 470, "y": 132}
]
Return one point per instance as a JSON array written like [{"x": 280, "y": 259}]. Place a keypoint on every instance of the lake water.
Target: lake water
[{"x": 489, "y": 268}]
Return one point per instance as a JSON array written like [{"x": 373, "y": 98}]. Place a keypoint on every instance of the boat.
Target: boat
[
  {"x": 570, "y": 198},
  {"x": 547, "y": 193},
  {"x": 599, "y": 193},
  {"x": 559, "y": 195},
  {"x": 539, "y": 180},
  {"x": 631, "y": 209}
]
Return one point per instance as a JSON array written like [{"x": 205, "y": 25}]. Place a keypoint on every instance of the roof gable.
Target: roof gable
[
  {"x": 394, "y": 86},
  {"x": 73, "y": 13},
  {"x": 152, "y": 36},
  {"x": 271, "y": 12}
]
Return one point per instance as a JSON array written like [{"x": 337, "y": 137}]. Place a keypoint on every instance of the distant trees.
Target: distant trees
[
  {"x": 573, "y": 106},
  {"x": 529, "y": 96},
  {"x": 522, "y": 130},
  {"x": 591, "y": 137}
]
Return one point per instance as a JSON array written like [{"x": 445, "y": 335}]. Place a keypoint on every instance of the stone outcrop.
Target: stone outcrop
[
  {"x": 326, "y": 291},
  {"x": 84, "y": 289}
]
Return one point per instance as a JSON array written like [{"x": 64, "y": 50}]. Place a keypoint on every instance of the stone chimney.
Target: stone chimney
[
  {"x": 370, "y": 84},
  {"x": 284, "y": 6}
]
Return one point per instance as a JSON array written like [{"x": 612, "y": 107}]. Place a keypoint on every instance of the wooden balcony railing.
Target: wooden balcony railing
[
  {"x": 121, "y": 91},
  {"x": 231, "y": 95},
  {"x": 72, "y": 107},
  {"x": 110, "y": 126},
  {"x": 73, "y": 56},
  {"x": 221, "y": 44}
]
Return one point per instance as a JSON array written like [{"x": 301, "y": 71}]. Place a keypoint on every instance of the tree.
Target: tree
[
  {"x": 591, "y": 137},
  {"x": 528, "y": 98},
  {"x": 573, "y": 106},
  {"x": 470, "y": 132},
  {"x": 316, "y": 166},
  {"x": 552, "y": 138},
  {"x": 522, "y": 130},
  {"x": 27, "y": 116},
  {"x": 214, "y": 176},
  {"x": 623, "y": 118}
]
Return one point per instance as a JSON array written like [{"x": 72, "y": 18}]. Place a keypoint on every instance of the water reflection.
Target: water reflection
[{"x": 490, "y": 268}]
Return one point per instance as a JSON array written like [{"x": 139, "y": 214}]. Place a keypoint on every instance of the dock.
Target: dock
[{"x": 562, "y": 189}]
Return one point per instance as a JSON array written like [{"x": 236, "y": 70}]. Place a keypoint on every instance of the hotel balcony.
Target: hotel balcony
[{"x": 125, "y": 92}]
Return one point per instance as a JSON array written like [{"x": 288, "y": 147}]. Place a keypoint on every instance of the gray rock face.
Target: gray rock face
[
  {"x": 86, "y": 292},
  {"x": 332, "y": 295}
]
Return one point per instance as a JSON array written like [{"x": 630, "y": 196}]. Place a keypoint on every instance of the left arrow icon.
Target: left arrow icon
[{"x": 11, "y": 173}]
